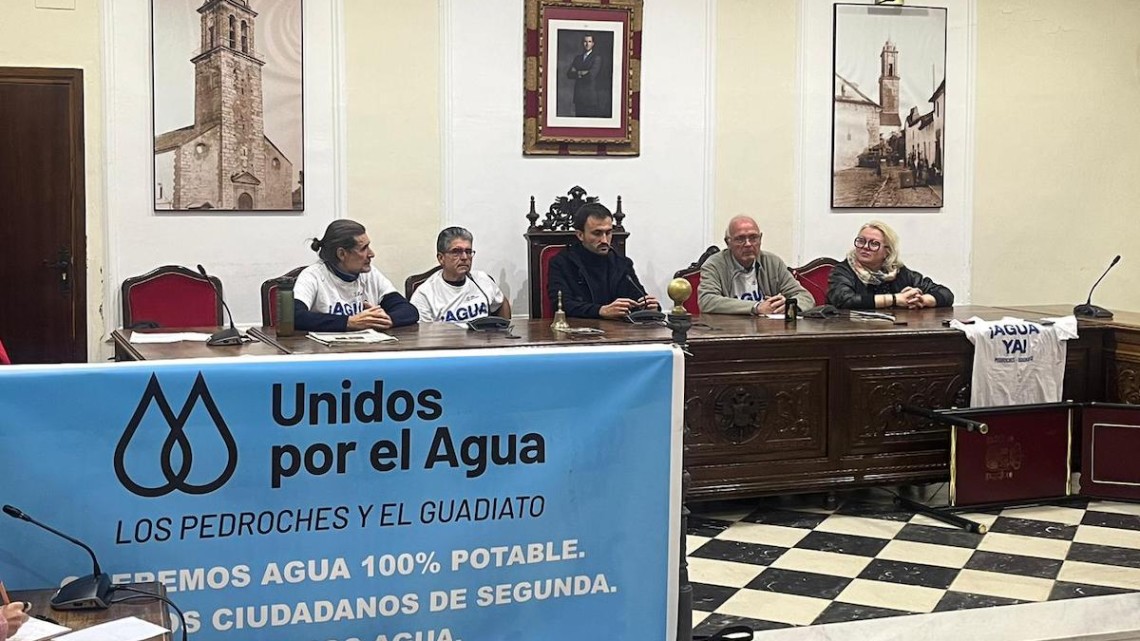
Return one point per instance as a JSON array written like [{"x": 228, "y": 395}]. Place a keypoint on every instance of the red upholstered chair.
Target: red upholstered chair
[
  {"x": 269, "y": 295},
  {"x": 413, "y": 282},
  {"x": 172, "y": 296},
  {"x": 545, "y": 256},
  {"x": 546, "y": 238},
  {"x": 692, "y": 273},
  {"x": 813, "y": 277},
  {"x": 4, "y": 360}
]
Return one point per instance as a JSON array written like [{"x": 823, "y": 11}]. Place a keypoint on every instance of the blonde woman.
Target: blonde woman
[{"x": 874, "y": 277}]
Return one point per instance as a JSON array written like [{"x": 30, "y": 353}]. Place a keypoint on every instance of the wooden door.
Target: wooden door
[{"x": 43, "y": 301}]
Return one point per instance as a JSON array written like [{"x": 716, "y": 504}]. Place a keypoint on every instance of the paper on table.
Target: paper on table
[
  {"x": 125, "y": 629},
  {"x": 171, "y": 337},
  {"x": 35, "y": 629},
  {"x": 349, "y": 338}
]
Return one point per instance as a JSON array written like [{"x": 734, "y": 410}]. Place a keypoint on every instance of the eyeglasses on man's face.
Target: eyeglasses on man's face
[
  {"x": 746, "y": 239},
  {"x": 460, "y": 252},
  {"x": 871, "y": 244}
]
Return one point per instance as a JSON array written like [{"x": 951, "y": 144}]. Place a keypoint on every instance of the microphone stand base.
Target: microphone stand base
[
  {"x": 227, "y": 336},
  {"x": 91, "y": 592},
  {"x": 1091, "y": 311}
]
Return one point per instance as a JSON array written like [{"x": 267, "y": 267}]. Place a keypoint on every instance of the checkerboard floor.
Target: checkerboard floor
[{"x": 786, "y": 561}]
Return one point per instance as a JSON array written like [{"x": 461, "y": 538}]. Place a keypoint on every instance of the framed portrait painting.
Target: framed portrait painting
[
  {"x": 228, "y": 112},
  {"x": 582, "y": 77},
  {"x": 888, "y": 107}
]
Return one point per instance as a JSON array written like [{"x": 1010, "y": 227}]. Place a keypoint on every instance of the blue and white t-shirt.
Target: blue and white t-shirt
[
  {"x": 323, "y": 291},
  {"x": 1016, "y": 361},
  {"x": 441, "y": 302},
  {"x": 744, "y": 283}
]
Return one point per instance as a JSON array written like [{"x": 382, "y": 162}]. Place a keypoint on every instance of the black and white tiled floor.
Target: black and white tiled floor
[{"x": 784, "y": 562}]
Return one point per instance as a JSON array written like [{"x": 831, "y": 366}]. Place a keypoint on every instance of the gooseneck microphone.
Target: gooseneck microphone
[
  {"x": 1088, "y": 310},
  {"x": 229, "y": 335},
  {"x": 91, "y": 592},
  {"x": 485, "y": 296},
  {"x": 643, "y": 315}
]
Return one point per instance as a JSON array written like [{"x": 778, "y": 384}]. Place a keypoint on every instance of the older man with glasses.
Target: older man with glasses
[
  {"x": 456, "y": 293},
  {"x": 744, "y": 280}
]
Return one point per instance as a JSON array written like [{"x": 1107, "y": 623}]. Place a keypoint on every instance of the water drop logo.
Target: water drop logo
[{"x": 176, "y": 479}]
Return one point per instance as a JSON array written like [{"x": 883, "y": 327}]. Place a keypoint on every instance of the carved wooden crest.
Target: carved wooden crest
[
  {"x": 560, "y": 215},
  {"x": 739, "y": 412}
]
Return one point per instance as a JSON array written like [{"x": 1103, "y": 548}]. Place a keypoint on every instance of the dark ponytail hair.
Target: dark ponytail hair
[{"x": 339, "y": 233}]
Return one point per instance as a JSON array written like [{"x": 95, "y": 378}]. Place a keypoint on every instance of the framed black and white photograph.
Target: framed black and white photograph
[
  {"x": 582, "y": 65},
  {"x": 582, "y": 81},
  {"x": 888, "y": 107},
  {"x": 228, "y": 117}
]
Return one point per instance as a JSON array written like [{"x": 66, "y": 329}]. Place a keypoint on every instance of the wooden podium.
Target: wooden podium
[{"x": 1027, "y": 453}]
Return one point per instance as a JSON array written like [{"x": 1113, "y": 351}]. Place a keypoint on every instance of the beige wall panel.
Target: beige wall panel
[
  {"x": 1056, "y": 188},
  {"x": 31, "y": 37},
  {"x": 392, "y": 69},
  {"x": 756, "y": 119}
]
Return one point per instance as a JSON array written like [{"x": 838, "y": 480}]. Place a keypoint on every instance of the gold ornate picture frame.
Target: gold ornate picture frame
[{"x": 582, "y": 77}]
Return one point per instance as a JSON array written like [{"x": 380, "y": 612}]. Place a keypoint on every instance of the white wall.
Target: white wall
[
  {"x": 935, "y": 242},
  {"x": 242, "y": 250},
  {"x": 666, "y": 191}
]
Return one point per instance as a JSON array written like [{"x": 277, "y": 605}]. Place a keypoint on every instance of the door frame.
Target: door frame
[{"x": 72, "y": 79}]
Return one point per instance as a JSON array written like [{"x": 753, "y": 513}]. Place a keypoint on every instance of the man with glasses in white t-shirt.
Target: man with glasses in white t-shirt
[
  {"x": 457, "y": 293},
  {"x": 744, "y": 280}
]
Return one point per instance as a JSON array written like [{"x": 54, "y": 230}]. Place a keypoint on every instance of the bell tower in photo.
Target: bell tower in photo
[
  {"x": 227, "y": 93},
  {"x": 224, "y": 159},
  {"x": 889, "y": 85}
]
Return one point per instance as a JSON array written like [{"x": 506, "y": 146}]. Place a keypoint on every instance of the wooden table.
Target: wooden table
[
  {"x": 151, "y": 610},
  {"x": 125, "y": 350},
  {"x": 776, "y": 408}
]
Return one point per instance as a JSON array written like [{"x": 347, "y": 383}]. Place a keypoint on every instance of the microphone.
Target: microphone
[
  {"x": 229, "y": 335},
  {"x": 642, "y": 315},
  {"x": 1088, "y": 310},
  {"x": 485, "y": 296},
  {"x": 91, "y": 592}
]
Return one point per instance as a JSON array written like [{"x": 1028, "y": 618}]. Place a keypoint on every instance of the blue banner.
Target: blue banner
[{"x": 462, "y": 496}]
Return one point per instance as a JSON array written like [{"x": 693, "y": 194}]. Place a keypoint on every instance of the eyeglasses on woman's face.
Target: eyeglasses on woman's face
[{"x": 868, "y": 243}]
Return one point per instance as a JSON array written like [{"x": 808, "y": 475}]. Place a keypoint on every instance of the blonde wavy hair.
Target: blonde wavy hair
[{"x": 890, "y": 240}]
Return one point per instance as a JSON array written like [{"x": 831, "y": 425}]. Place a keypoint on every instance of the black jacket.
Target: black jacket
[
  {"x": 846, "y": 291},
  {"x": 582, "y": 296}
]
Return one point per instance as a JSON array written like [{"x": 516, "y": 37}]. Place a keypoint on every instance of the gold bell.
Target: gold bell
[{"x": 560, "y": 324}]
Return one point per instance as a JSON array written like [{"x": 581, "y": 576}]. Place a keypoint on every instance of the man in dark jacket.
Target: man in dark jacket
[{"x": 594, "y": 280}]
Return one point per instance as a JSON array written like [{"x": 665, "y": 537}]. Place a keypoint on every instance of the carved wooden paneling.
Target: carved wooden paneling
[
  {"x": 876, "y": 390},
  {"x": 1124, "y": 382},
  {"x": 758, "y": 412},
  {"x": 1076, "y": 383}
]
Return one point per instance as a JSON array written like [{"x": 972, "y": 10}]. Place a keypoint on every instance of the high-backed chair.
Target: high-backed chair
[
  {"x": 813, "y": 276},
  {"x": 546, "y": 239},
  {"x": 413, "y": 282},
  {"x": 269, "y": 295},
  {"x": 692, "y": 273},
  {"x": 172, "y": 296}
]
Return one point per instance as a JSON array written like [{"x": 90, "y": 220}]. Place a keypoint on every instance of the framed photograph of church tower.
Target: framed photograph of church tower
[
  {"x": 228, "y": 112},
  {"x": 888, "y": 107}
]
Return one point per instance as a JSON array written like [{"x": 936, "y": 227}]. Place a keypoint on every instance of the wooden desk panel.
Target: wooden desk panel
[
  {"x": 773, "y": 407},
  {"x": 151, "y": 610}
]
